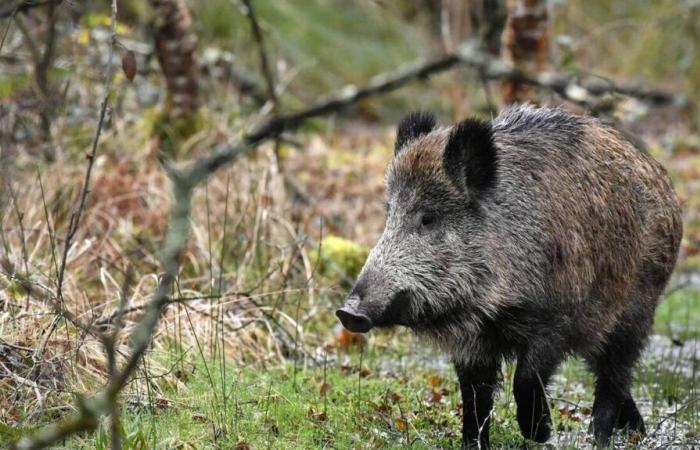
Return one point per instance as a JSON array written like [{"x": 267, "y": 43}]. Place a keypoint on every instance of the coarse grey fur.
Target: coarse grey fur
[{"x": 536, "y": 235}]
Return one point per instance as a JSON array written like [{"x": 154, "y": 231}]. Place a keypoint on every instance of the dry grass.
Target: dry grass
[{"x": 246, "y": 282}]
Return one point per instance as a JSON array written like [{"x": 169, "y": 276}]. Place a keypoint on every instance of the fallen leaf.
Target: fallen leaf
[
  {"x": 401, "y": 424},
  {"x": 434, "y": 381},
  {"x": 435, "y": 396},
  {"x": 325, "y": 387},
  {"x": 394, "y": 397},
  {"x": 383, "y": 408},
  {"x": 199, "y": 417},
  {"x": 129, "y": 65},
  {"x": 347, "y": 338},
  {"x": 365, "y": 372},
  {"x": 242, "y": 445},
  {"x": 634, "y": 438},
  {"x": 321, "y": 417}
]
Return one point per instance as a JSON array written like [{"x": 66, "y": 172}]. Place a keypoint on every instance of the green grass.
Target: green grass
[
  {"x": 395, "y": 392},
  {"x": 678, "y": 315}
]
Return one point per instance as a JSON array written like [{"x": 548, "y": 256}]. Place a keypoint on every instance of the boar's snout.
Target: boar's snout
[{"x": 352, "y": 319}]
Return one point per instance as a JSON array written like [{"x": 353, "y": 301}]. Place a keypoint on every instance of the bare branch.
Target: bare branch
[
  {"x": 567, "y": 86},
  {"x": 249, "y": 11},
  {"x": 11, "y": 8},
  {"x": 76, "y": 216}
]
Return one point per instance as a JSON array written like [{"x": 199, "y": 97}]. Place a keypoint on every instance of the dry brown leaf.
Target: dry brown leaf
[
  {"x": 199, "y": 417},
  {"x": 325, "y": 387},
  {"x": 347, "y": 338},
  {"x": 401, "y": 424},
  {"x": 129, "y": 65},
  {"x": 435, "y": 396}
]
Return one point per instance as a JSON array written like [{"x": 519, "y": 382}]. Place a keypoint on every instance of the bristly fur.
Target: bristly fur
[
  {"x": 412, "y": 127},
  {"x": 470, "y": 156},
  {"x": 567, "y": 251}
]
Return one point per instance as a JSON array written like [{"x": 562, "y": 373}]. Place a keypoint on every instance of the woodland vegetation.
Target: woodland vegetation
[{"x": 189, "y": 187}]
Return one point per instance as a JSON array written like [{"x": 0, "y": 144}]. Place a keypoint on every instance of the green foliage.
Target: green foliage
[
  {"x": 679, "y": 314},
  {"x": 339, "y": 258},
  {"x": 397, "y": 393},
  {"x": 651, "y": 40},
  {"x": 9, "y": 85},
  {"x": 10, "y": 434},
  {"x": 330, "y": 43}
]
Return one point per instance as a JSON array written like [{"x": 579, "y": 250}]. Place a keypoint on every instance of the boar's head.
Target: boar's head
[{"x": 430, "y": 266}]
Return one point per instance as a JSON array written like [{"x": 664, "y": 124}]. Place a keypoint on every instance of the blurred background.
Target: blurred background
[{"x": 248, "y": 353}]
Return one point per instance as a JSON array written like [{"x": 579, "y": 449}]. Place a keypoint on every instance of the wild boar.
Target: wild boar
[{"x": 533, "y": 236}]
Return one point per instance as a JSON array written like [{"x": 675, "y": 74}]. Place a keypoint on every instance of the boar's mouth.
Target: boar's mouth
[{"x": 359, "y": 319}]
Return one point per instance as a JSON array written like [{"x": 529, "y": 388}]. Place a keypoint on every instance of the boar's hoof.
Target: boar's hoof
[{"x": 353, "y": 321}]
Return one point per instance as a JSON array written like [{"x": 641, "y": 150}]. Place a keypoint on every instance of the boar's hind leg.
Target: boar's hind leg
[
  {"x": 529, "y": 388},
  {"x": 614, "y": 406},
  {"x": 477, "y": 382}
]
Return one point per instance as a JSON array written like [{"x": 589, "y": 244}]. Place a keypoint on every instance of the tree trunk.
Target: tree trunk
[
  {"x": 525, "y": 45},
  {"x": 175, "y": 46},
  {"x": 478, "y": 19},
  {"x": 487, "y": 19}
]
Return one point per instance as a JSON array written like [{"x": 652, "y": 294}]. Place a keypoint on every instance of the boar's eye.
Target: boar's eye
[{"x": 428, "y": 219}]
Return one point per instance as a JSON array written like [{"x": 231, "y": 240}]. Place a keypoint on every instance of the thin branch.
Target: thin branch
[
  {"x": 135, "y": 308},
  {"x": 76, "y": 216},
  {"x": 249, "y": 12},
  {"x": 567, "y": 86},
  {"x": 31, "y": 43},
  {"x": 13, "y": 7}
]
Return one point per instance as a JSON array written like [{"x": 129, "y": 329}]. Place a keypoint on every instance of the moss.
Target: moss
[
  {"x": 173, "y": 132},
  {"x": 10, "y": 85},
  {"x": 339, "y": 258}
]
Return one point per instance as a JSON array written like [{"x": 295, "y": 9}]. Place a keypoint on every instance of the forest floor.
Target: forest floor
[{"x": 393, "y": 392}]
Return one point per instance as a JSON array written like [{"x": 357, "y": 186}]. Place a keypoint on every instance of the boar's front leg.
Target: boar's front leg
[{"x": 477, "y": 382}]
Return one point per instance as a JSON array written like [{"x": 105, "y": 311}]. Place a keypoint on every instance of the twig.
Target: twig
[
  {"x": 42, "y": 63},
  {"x": 249, "y": 12},
  {"x": 13, "y": 7},
  {"x": 125, "y": 311},
  {"x": 76, "y": 216}
]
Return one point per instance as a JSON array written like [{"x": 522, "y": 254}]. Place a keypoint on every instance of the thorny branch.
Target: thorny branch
[{"x": 185, "y": 180}]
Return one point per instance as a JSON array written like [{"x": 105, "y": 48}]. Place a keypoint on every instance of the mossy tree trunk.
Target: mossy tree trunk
[{"x": 175, "y": 46}]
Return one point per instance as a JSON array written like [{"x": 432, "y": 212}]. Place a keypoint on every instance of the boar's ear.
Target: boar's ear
[
  {"x": 413, "y": 126},
  {"x": 470, "y": 155}
]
